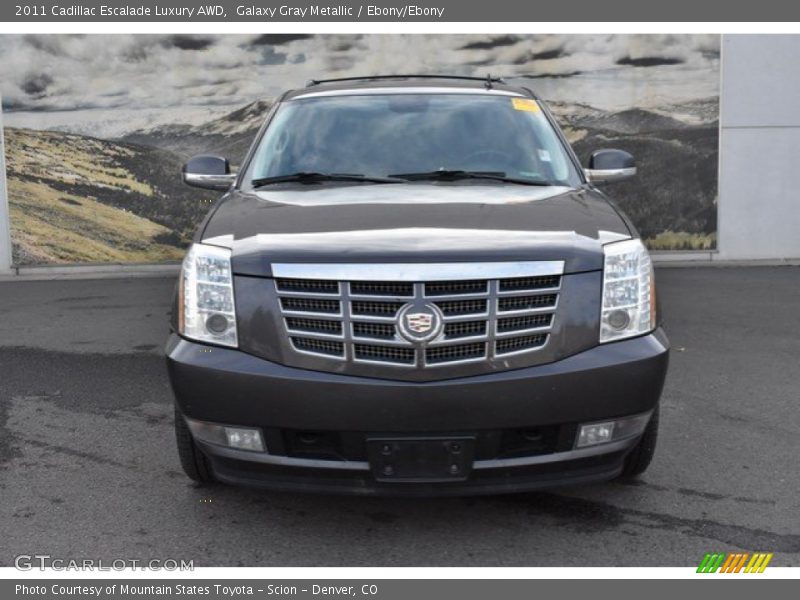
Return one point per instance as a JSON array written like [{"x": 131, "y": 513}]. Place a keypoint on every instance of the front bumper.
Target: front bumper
[{"x": 230, "y": 387}]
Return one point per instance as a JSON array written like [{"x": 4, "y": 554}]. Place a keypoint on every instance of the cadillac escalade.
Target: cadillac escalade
[{"x": 411, "y": 286}]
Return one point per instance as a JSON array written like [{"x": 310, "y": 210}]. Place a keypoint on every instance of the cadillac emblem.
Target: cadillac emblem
[{"x": 419, "y": 322}]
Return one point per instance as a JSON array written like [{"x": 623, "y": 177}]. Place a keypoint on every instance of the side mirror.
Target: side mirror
[
  {"x": 608, "y": 166},
  {"x": 208, "y": 172}
]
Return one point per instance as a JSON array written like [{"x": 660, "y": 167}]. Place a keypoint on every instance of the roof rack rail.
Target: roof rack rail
[{"x": 488, "y": 80}]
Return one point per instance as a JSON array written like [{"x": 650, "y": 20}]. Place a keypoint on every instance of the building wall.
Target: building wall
[{"x": 759, "y": 207}]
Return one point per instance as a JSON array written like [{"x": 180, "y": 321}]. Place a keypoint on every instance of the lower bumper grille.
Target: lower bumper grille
[{"x": 490, "y": 444}]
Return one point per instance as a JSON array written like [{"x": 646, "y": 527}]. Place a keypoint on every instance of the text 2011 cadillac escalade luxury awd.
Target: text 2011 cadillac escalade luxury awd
[{"x": 412, "y": 287}]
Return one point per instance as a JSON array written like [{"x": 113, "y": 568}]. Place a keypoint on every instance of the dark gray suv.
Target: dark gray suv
[{"x": 412, "y": 287}]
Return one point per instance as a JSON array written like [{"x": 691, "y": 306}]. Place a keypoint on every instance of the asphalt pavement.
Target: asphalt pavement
[{"x": 88, "y": 467}]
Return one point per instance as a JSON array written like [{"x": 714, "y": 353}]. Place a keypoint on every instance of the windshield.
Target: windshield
[{"x": 411, "y": 137}]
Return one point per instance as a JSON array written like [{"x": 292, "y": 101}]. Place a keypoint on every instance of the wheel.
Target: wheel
[
  {"x": 639, "y": 458},
  {"x": 194, "y": 463}
]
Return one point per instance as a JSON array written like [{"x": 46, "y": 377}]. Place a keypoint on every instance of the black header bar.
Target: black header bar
[{"x": 309, "y": 11}]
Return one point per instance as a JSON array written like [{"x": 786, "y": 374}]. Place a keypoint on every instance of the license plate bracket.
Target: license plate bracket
[{"x": 430, "y": 459}]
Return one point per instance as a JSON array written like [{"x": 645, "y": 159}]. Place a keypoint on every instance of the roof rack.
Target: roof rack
[{"x": 488, "y": 80}]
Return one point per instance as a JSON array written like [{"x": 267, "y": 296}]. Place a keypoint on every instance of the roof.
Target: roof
[{"x": 399, "y": 83}]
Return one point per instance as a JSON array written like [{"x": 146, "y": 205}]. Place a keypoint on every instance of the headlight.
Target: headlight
[
  {"x": 629, "y": 296},
  {"x": 207, "y": 311}
]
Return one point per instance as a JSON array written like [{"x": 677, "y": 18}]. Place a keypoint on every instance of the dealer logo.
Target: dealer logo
[
  {"x": 420, "y": 322},
  {"x": 734, "y": 562}
]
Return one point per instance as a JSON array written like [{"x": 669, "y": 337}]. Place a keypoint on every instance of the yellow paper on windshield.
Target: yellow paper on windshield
[{"x": 526, "y": 104}]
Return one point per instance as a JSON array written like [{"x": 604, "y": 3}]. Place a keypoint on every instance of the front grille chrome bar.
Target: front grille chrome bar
[{"x": 416, "y": 272}]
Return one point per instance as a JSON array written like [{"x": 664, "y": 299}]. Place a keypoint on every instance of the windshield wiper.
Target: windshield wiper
[
  {"x": 315, "y": 177},
  {"x": 453, "y": 175}
]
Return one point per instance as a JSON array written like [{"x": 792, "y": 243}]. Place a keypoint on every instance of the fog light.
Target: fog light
[
  {"x": 244, "y": 439},
  {"x": 597, "y": 433},
  {"x": 241, "y": 438},
  {"x": 592, "y": 434}
]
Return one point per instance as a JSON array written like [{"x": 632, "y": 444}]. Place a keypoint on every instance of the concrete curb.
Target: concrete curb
[
  {"x": 679, "y": 262},
  {"x": 89, "y": 272}
]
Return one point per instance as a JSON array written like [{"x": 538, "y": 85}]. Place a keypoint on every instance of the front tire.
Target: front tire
[
  {"x": 640, "y": 457},
  {"x": 194, "y": 462}
]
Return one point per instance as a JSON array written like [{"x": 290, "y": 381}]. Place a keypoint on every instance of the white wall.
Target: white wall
[{"x": 759, "y": 184}]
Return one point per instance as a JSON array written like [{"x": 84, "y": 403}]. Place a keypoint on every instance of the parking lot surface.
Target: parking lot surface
[{"x": 88, "y": 466}]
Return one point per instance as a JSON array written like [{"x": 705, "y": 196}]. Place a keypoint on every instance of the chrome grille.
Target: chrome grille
[
  {"x": 382, "y": 288},
  {"x": 356, "y": 320},
  {"x": 374, "y": 330},
  {"x": 314, "y": 346},
  {"x": 463, "y": 307},
  {"x": 526, "y": 303},
  {"x": 314, "y": 325},
  {"x": 455, "y": 353},
  {"x": 529, "y": 283},
  {"x": 384, "y": 354},
  {"x": 519, "y": 344},
  {"x": 462, "y": 329},
  {"x": 310, "y": 305},
  {"x": 371, "y": 308},
  {"x": 308, "y": 286},
  {"x": 524, "y": 323},
  {"x": 454, "y": 288}
]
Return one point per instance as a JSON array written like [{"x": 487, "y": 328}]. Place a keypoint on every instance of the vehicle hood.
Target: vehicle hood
[{"x": 414, "y": 222}]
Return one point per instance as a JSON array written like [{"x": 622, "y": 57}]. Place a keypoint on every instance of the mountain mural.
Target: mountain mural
[
  {"x": 77, "y": 199},
  {"x": 97, "y": 127},
  {"x": 229, "y": 135},
  {"x": 672, "y": 200}
]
